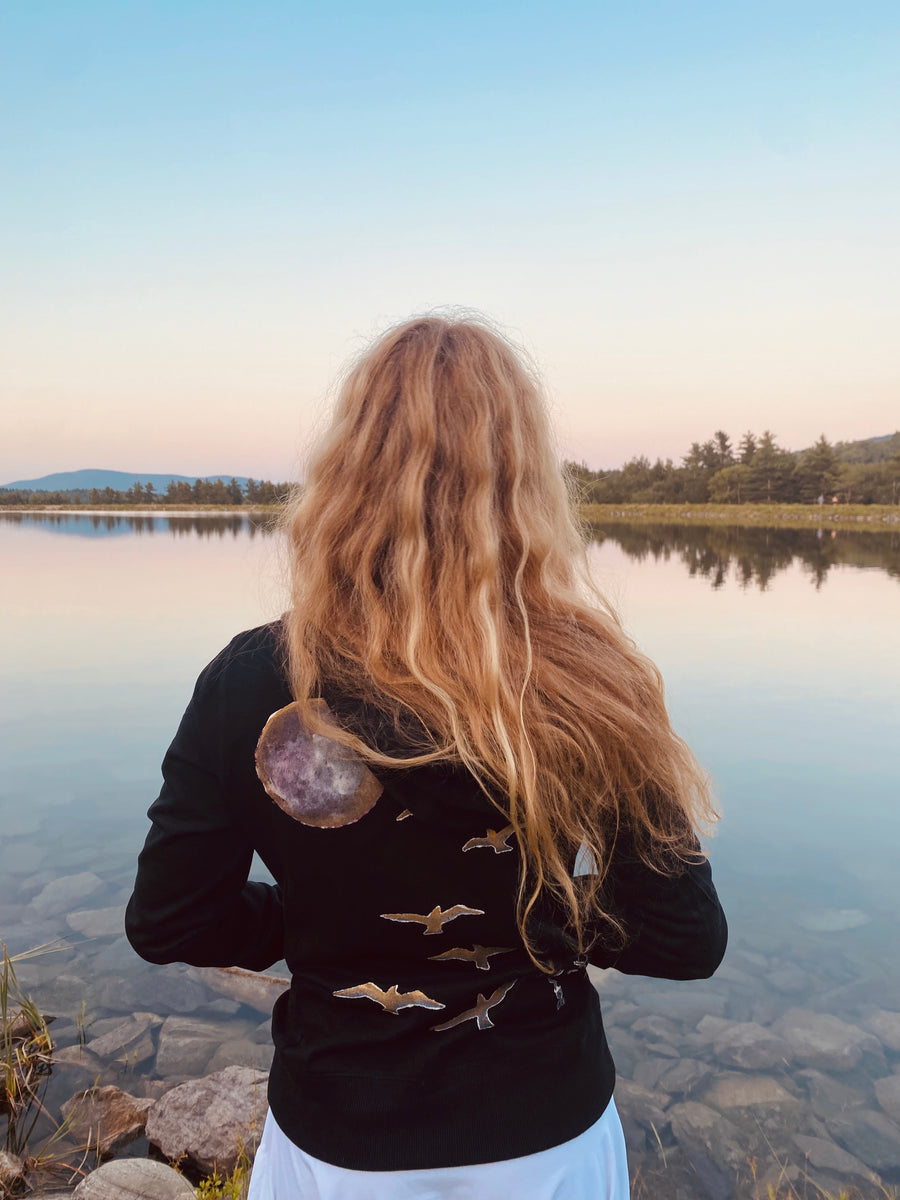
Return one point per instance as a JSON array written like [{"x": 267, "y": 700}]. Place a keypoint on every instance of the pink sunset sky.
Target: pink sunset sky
[{"x": 688, "y": 215}]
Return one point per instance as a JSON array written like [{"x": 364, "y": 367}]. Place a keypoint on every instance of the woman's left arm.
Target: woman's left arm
[{"x": 192, "y": 901}]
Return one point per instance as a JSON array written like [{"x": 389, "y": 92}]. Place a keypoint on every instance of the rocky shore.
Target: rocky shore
[{"x": 782, "y": 1071}]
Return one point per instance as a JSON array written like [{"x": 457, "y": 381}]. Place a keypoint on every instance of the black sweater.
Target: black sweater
[{"x": 484, "y": 1057}]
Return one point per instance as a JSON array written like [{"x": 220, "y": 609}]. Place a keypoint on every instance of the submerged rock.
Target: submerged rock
[
  {"x": 747, "y": 1045},
  {"x": 886, "y": 1027},
  {"x": 186, "y": 1044},
  {"x": 832, "y": 920},
  {"x": 98, "y": 922},
  {"x": 61, "y": 895},
  {"x": 888, "y": 1092},
  {"x": 130, "y": 1041},
  {"x": 712, "y": 1143},
  {"x": 252, "y": 988},
  {"x": 869, "y": 1135},
  {"x": 748, "y": 1091},
  {"x": 824, "y": 1155},
  {"x": 209, "y": 1121},
  {"x": 820, "y": 1040}
]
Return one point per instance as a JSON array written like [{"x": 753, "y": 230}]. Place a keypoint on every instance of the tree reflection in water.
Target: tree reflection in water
[{"x": 755, "y": 555}]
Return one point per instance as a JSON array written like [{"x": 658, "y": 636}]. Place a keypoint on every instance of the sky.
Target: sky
[{"x": 687, "y": 213}]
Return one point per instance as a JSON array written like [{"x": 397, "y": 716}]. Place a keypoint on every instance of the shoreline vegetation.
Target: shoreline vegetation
[{"x": 883, "y": 517}]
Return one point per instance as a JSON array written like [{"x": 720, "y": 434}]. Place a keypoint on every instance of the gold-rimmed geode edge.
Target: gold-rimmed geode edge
[{"x": 312, "y": 778}]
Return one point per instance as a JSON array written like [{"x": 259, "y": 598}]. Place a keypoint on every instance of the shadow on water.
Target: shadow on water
[{"x": 753, "y": 556}]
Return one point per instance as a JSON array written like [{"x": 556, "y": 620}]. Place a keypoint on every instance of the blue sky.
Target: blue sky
[{"x": 687, "y": 213}]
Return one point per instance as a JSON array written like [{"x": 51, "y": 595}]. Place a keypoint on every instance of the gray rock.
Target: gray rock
[
  {"x": 869, "y": 1135},
  {"x": 829, "y": 1096},
  {"x": 820, "y": 1040},
  {"x": 656, "y": 1028},
  {"x": 241, "y": 1052},
  {"x": 118, "y": 958},
  {"x": 886, "y": 1027},
  {"x": 684, "y": 1077},
  {"x": 105, "y": 1119},
  {"x": 712, "y": 1027},
  {"x": 134, "y": 1179},
  {"x": 98, "y": 922},
  {"x": 130, "y": 1042},
  {"x": 730, "y": 1091},
  {"x": 665, "y": 1049},
  {"x": 163, "y": 989},
  {"x": 888, "y": 1092},
  {"x": 186, "y": 1044},
  {"x": 648, "y": 1071},
  {"x": 62, "y": 895},
  {"x": 824, "y": 1155},
  {"x": 642, "y": 1105},
  {"x": 209, "y": 1120},
  {"x": 252, "y": 988},
  {"x": 747, "y": 1045},
  {"x": 712, "y": 1144}
]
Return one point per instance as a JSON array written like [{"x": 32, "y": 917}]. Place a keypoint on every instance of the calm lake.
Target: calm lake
[{"x": 781, "y": 655}]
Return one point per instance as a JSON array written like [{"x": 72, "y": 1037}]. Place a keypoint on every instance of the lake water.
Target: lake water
[{"x": 781, "y": 655}]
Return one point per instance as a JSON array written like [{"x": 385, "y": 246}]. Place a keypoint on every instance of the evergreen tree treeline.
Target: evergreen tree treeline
[
  {"x": 178, "y": 494},
  {"x": 756, "y": 471}
]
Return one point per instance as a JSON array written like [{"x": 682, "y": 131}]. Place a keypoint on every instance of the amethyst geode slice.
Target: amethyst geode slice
[{"x": 313, "y": 779}]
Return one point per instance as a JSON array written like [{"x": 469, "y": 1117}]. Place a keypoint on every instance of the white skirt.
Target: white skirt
[{"x": 591, "y": 1166}]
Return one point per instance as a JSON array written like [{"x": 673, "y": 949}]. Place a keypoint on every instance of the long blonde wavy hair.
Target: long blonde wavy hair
[{"x": 438, "y": 572}]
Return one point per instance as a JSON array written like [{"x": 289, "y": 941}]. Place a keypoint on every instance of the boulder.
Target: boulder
[
  {"x": 827, "y": 1095},
  {"x": 869, "y": 1135},
  {"x": 747, "y": 1045},
  {"x": 824, "y": 1041},
  {"x": 63, "y": 894},
  {"x": 210, "y": 1121},
  {"x": 252, "y": 988},
  {"x": 712, "y": 1144},
  {"x": 824, "y": 1155},
  {"x": 105, "y": 1119},
  {"x": 888, "y": 1092},
  {"x": 241, "y": 1052},
  {"x": 98, "y": 922},
  {"x": 134, "y": 1179},
  {"x": 748, "y": 1091},
  {"x": 186, "y": 1044},
  {"x": 641, "y": 1105},
  {"x": 130, "y": 1042},
  {"x": 684, "y": 1077},
  {"x": 886, "y": 1027}
]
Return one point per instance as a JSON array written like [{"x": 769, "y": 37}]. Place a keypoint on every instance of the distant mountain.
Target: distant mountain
[{"x": 120, "y": 481}]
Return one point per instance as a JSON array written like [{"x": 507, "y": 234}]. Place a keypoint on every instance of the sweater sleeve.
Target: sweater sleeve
[
  {"x": 192, "y": 901},
  {"x": 675, "y": 925}
]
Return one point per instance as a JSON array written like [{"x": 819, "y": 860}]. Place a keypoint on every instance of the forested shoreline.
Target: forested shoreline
[{"x": 755, "y": 471}]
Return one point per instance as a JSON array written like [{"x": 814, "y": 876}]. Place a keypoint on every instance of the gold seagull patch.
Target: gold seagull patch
[
  {"x": 495, "y": 839},
  {"x": 392, "y": 1000}
]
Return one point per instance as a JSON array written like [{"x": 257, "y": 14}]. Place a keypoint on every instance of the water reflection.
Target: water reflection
[
  {"x": 753, "y": 555},
  {"x": 119, "y": 524}
]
